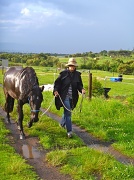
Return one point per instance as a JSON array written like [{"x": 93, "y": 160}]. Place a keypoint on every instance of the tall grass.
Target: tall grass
[
  {"x": 88, "y": 164},
  {"x": 109, "y": 120}
]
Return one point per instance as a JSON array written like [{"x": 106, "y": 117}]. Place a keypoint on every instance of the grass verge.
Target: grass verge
[
  {"x": 12, "y": 165},
  {"x": 84, "y": 163}
]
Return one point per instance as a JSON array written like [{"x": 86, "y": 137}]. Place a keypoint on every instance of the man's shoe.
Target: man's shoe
[{"x": 70, "y": 134}]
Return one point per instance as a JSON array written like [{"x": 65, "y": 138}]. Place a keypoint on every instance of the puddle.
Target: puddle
[
  {"x": 30, "y": 152},
  {"x": 99, "y": 147}
]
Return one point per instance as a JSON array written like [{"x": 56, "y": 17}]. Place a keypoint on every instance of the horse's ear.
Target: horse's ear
[{"x": 42, "y": 88}]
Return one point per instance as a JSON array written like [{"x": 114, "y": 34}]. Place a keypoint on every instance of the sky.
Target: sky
[{"x": 66, "y": 26}]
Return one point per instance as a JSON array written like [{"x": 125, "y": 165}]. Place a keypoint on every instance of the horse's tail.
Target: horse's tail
[{"x": 9, "y": 104}]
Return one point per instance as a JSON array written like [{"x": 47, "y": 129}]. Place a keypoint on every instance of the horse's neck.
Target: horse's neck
[{"x": 28, "y": 81}]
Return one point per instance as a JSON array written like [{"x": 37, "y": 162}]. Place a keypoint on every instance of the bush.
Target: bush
[{"x": 97, "y": 88}]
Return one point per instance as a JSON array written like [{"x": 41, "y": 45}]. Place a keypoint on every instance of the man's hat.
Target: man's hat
[{"x": 72, "y": 62}]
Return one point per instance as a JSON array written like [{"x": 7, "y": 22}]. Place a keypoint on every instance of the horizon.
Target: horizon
[{"x": 63, "y": 53}]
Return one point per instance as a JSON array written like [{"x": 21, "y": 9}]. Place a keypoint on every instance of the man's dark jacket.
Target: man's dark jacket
[{"x": 62, "y": 84}]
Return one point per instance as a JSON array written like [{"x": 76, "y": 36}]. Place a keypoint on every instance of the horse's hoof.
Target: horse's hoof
[
  {"x": 8, "y": 121},
  {"x": 18, "y": 127},
  {"x": 36, "y": 120},
  {"x": 29, "y": 124},
  {"x": 22, "y": 136}
]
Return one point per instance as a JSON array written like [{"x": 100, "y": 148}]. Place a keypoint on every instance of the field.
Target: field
[
  {"x": 124, "y": 88},
  {"x": 110, "y": 120}
]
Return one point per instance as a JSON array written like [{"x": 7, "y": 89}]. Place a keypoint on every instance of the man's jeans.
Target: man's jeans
[{"x": 66, "y": 117}]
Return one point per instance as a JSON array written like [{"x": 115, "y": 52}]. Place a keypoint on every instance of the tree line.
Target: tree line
[{"x": 89, "y": 60}]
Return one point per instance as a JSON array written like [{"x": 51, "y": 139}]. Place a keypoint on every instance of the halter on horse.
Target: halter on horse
[{"x": 22, "y": 84}]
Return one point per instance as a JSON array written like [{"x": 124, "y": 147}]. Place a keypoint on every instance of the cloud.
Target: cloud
[
  {"x": 39, "y": 15},
  {"x": 25, "y": 12}
]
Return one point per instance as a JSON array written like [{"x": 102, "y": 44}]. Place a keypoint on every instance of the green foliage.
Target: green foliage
[
  {"x": 97, "y": 88},
  {"x": 125, "y": 69},
  {"x": 112, "y": 61},
  {"x": 42, "y": 59}
]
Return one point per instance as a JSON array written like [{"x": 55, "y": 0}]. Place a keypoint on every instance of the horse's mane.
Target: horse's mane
[{"x": 28, "y": 81}]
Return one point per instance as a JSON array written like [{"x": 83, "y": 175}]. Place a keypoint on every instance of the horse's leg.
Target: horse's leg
[
  {"x": 6, "y": 107},
  {"x": 8, "y": 118},
  {"x": 20, "y": 119},
  {"x": 34, "y": 118},
  {"x": 30, "y": 123},
  {"x": 9, "y": 106}
]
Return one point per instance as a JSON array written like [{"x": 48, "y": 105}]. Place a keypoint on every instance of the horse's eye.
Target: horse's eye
[{"x": 37, "y": 97}]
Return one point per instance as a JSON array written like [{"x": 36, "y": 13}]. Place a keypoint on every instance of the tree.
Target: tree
[
  {"x": 103, "y": 53},
  {"x": 106, "y": 65},
  {"x": 84, "y": 60},
  {"x": 124, "y": 69},
  {"x": 92, "y": 55}
]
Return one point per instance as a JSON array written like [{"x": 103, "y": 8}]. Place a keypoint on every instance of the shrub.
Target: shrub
[{"x": 97, "y": 88}]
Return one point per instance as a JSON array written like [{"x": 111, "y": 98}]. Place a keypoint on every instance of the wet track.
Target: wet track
[{"x": 94, "y": 143}]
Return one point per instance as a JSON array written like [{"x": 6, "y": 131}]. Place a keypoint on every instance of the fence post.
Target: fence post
[{"x": 90, "y": 85}]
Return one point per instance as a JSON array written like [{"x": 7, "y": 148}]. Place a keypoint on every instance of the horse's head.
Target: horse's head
[{"x": 35, "y": 100}]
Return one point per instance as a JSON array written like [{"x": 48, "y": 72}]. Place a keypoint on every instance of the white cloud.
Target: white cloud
[
  {"x": 25, "y": 12},
  {"x": 40, "y": 15}
]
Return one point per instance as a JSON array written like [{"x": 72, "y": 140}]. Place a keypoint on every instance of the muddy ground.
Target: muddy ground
[{"x": 32, "y": 151}]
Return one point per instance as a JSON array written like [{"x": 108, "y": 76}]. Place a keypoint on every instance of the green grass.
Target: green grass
[
  {"x": 110, "y": 120},
  {"x": 1, "y": 78},
  {"x": 12, "y": 166},
  {"x": 84, "y": 163},
  {"x": 124, "y": 88},
  {"x": 117, "y": 88},
  {"x": 51, "y": 135},
  {"x": 102, "y": 59}
]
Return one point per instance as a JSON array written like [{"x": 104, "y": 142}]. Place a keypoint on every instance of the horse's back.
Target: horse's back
[
  {"x": 9, "y": 80},
  {"x": 11, "y": 71},
  {"x": 18, "y": 81}
]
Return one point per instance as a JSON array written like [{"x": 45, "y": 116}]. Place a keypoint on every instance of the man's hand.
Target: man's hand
[
  {"x": 56, "y": 93},
  {"x": 83, "y": 91}
]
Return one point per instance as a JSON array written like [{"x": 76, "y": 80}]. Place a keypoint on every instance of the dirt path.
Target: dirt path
[
  {"x": 32, "y": 151},
  {"x": 95, "y": 143}
]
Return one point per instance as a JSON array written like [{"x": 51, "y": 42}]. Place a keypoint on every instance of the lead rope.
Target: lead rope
[
  {"x": 80, "y": 107},
  {"x": 49, "y": 106},
  {"x": 64, "y": 105}
]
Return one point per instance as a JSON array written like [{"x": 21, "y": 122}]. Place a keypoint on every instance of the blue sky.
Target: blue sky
[{"x": 66, "y": 26}]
